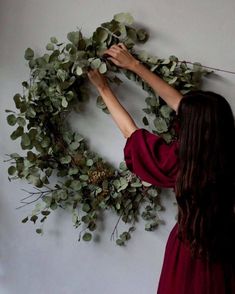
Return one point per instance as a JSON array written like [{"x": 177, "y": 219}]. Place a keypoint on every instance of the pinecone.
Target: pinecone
[{"x": 100, "y": 174}]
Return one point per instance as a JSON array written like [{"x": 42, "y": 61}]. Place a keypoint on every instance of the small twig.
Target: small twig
[
  {"x": 7, "y": 159},
  {"x": 29, "y": 195},
  {"x": 115, "y": 227},
  {"x": 26, "y": 203},
  {"x": 33, "y": 194}
]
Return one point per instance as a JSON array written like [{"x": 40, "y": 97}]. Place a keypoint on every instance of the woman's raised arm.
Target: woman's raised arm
[
  {"x": 119, "y": 114},
  {"x": 120, "y": 56}
]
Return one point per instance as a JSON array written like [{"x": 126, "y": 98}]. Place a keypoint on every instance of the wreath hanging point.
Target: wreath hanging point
[{"x": 86, "y": 182}]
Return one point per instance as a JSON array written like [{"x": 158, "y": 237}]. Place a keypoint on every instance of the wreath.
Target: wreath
[{"x": 86, "y": 183}]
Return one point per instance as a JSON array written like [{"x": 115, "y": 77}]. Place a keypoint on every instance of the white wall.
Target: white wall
[{"x": 56, "y": 263}]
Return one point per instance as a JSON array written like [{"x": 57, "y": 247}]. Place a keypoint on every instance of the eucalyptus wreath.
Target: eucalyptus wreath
[{"x": 86, "y": 184}]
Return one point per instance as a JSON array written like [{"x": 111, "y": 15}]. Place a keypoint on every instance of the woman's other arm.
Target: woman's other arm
[
  {"x": 169, "y": 94},
  {"x": 119, "y": 114},
  {"x": 121, "y": 117}
]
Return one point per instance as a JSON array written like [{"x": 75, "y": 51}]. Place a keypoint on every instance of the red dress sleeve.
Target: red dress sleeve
[{"x": 151, "y": 158}]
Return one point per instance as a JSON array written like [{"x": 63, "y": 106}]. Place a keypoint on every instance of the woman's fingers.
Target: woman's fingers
[
  {"x": 113, "y": 49},
  {"x": 119, "y": 55},
  {"x": 112, "y": 52},
  {"x": 122, "y": 46},
  {"x": 116, "y": 48},
  {"x": 119, "y": 45},
  {"x": 92, "y": 72},
  {"x": 115, "y": 61}
]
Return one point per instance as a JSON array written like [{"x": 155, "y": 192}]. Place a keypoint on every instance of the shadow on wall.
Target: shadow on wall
[{"x": 6, "y": 230}]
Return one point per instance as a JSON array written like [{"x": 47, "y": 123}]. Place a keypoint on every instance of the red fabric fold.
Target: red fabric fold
[
  {"x": 154, "y": 161},
  {"x": 151, "y": 158}
]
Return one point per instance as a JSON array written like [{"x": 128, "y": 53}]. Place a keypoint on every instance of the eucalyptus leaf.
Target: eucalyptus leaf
[
  {"x": 34, "y": 218},
  {"x": 124, "y": 18},
  {"x": 142, "y": 35},
  {"x": 17, "y": 100},
  {"x": 120, "y": 242},
  {"x": 64, "y": 102},
  {"x": 11, "y": 119},
  {"x": 100, "y": 35},
  {"x": 29, "y": 54},
  {"x": 103, "y": 68},
  {"x": 74, "y": 145},
  {"x": 53, "y": 40},
  {"x": 45, "y": 142},
  {"x": 78, "y": 137},
  {"x": 145, "y": 121},
  {"x": 122, "y": 165},
  {"x": 21, "y": 121},
  {"x": 96, "y": 63},
  {"x": 84, "y": 177},
  {"x": 165, "y": 111},
  {"x": 152, "y": 192},
  {"x": 74, "y": 37},
  {"x": 87, "y": 237},
  {"x": 73, "y": 171},
  {"x": 136, "y": 184},
  {"x": 89, "y": 162},
  {"x": 172, "y": 81},
  {"x": 152, "y": 101},
  {"x": 160, "y": 125},
  {"x": 25, "y": 139},
  {"x": 76, "y": 185},
  {"x": 147, "y": 110},
  {"x": 143, "y": 55},
  {"x": 50, "y": 46},
  {"x": 100, "y": 102},
  {"x": 146, "y": 184},
  {"x": 17, "y": 133},
  {"x": 65, "y": 159},
  {"x": 39, "y": 231},
  {"x": 11, "y": 170},
  {"x": 86, "y": 207},
  {"x": 79, "y": 71},
  {"x": 131, "y": 37},
  {"x": 62, "y": 74},
  {"x": 197, "y": 66},
  {"x": 25, "y": 219}
]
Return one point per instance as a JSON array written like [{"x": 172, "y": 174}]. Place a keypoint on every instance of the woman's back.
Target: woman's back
[{"x": 204, "y": 186}]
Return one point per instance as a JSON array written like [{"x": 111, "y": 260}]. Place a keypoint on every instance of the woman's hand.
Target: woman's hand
[
  {"x": 120, "y": 56},
  {"x": 97, "y": 79}
]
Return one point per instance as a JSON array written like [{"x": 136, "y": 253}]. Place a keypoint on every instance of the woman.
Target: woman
[{"x": 199, "y": 166}]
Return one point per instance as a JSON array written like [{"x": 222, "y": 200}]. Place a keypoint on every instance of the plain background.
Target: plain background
[{"x": 56, "y": 263}]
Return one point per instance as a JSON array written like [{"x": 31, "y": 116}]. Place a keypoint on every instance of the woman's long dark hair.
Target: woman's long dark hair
[{"x": 205, "y": 185}]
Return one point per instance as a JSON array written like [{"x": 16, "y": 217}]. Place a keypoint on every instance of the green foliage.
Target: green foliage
[{"x": 56, "y": 86}]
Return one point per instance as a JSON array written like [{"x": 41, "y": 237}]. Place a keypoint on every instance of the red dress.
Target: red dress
[{"x": 154, "y": 161}]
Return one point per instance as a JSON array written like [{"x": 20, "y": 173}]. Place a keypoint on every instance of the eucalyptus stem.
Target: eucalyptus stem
[{"x": 217, "y": 69}]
